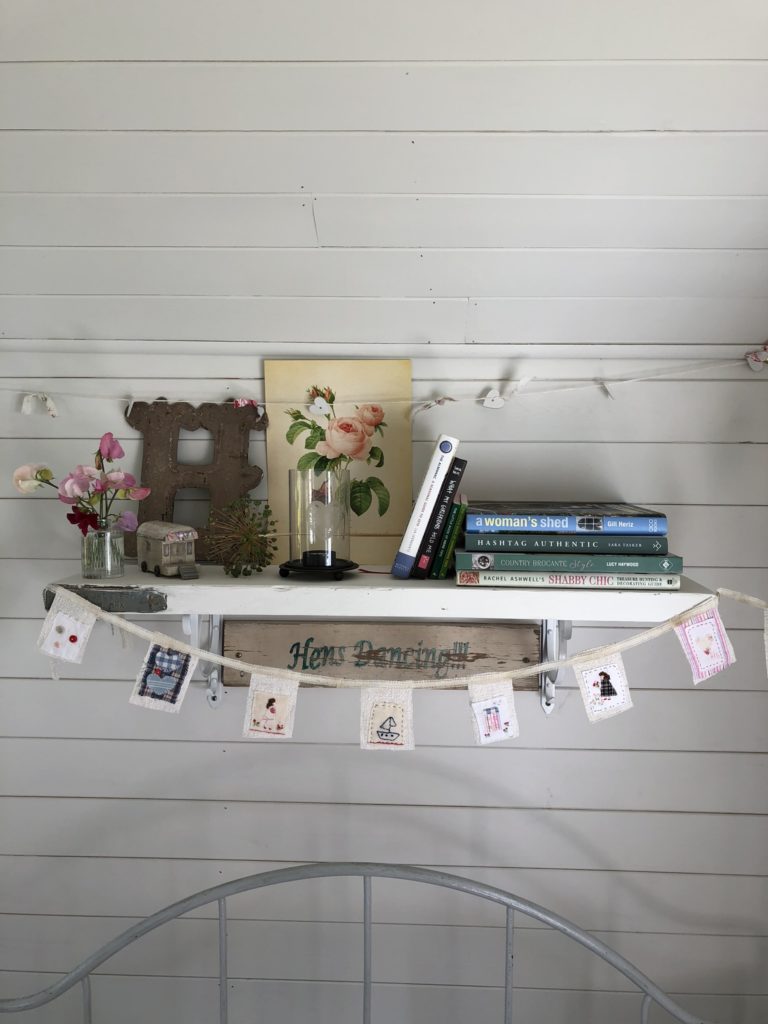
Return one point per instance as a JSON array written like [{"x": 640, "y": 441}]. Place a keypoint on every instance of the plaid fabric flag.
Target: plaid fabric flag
[{"x": 163, "y": 679}]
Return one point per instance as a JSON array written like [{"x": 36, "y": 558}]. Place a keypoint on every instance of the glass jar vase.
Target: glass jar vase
[
  {"x": 319, "y": 518},
  {"x": 102, "y": 553}
]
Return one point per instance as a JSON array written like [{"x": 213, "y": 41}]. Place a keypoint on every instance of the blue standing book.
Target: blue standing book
[{"x": 563, "y": 517}]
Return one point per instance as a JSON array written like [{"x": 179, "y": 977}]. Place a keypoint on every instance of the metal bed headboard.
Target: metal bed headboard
[{"x": 219, "y": 894}]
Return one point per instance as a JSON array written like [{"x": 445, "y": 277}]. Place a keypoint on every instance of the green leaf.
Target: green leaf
[
  {"x": 376, "y": 454},
  {"x": 315, "y": 436},
  {"x": 307, "y": 461},
  {"x": 321, "y": 464},
  {"x": 381, "y": 492},
  {"x": 360, "y": 497},
  {"x": 295, "y": 429},
  {"x": 295, "y": 414}
]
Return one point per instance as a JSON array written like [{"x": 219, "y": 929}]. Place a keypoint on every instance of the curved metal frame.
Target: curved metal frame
[{"x": 219, "y": 894}]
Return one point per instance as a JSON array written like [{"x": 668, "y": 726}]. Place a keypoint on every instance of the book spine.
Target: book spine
[
  {"x": 444, "y": 451},
  {"x": 562, "y": 542},
  {"x": 483, "y": 522},
  {"x": 438, "y": 520},
  {"x": 565, "y": 581},
  {"x": 507, "y": 560},
  {"x": 457, "y": 532},
  {"x": 454, "y": 512}
]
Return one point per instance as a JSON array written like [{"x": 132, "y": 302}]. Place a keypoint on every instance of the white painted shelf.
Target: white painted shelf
[{"x": 376, "y": 594}]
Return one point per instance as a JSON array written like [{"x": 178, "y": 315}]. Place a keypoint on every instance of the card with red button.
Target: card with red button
[{"x": 66, "y": 630}]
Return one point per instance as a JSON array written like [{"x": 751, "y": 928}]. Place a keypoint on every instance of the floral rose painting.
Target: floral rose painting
[
  {"x": 333, "y": 442},
  {"x": 344, "y": 414}
]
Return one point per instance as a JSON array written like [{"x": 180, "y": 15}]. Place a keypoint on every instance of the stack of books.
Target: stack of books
[
  {"x": 427, "y": 545},
  {"x": 545, "y": 544}
]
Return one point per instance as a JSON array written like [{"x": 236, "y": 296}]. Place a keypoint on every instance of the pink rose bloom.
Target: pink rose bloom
[
  {"x": 109, "y": 448},
  {"x": 370, "y": 416},
  {"x": 24, "y": 478},
  {"x": 345, "y": 435},
  {"x": 78, "y": 484}
]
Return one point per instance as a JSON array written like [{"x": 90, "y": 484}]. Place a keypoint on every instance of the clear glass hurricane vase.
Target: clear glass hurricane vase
[
  {"x": 102, "y": 554},
  {"x": 320, "y": 517}
]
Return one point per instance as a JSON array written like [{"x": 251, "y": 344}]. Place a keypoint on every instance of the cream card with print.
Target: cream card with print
[
  {"x": 604, "y": 687},
  {"x": 386, "y": 718},
  {"x": 493, "y": 711},
  {"x": 66, "y": 629},
  {"x": 270, "y": 708},
  {"x": 163, "y": 680},
  {"x": 706, "y": 644}
]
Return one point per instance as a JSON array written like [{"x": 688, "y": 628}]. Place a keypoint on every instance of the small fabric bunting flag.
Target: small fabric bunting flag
[
  {"x": 163, "y": 679},
  {"x": 270, "y": 707},
  {"x": 706, "y": 644},
  {"x": 493, "y": 711},
  {"x": 386, "y": 718},
  {"x": 604, "y": 687},
  {"x": 66, "y": 629}
]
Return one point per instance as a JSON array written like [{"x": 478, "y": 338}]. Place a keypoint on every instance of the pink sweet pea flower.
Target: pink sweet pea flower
[
  {"x": 109, "y": 448},
  {"x": 139, "y": 493},
  {"x": 25, "y": 478},
  {"x": 78, "y": 484},
  {"x": 127, "y": 522}
]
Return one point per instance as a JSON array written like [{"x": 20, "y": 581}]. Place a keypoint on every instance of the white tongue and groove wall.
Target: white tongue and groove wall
[{"x": 494, "y": 190}]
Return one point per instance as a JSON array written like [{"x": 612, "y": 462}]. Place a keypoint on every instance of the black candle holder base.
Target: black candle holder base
[{"x": 336, "y": 569}]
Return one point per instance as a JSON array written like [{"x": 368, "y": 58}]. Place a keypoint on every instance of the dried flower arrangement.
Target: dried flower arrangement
[{"x": 241, "y": 536}]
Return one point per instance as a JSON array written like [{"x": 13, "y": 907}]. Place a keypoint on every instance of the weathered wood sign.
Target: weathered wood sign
[{"x": 382, "y": 650}]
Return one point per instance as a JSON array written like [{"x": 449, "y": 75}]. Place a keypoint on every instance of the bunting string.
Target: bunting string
[{"x": 324, "y": 681}]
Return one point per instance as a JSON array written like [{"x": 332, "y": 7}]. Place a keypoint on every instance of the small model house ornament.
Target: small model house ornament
[{"x": 167, "y": 549}]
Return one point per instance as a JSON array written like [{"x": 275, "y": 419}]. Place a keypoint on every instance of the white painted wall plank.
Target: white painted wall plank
[
  {"x": 608, "y": 901},
  {"x": 236, "y": 30},
  {"x": 168, "y": 220},
  {"x": 380, "y": 320},
  {"x": 557, "y": 222},
  {"x": 411, "y": 954},
  {"x": 398, "y": 273},
  {"x": 680, "y": 782},
  {"x": 655, "y": 321},
  {"x": 324, "y": 321},
  {"x": 656, "y": 163},
  {"x": 386, "y": 96},
  {"x": 386, "y": 221},
  {"x": 196, "y": 1000},
  {"x": 576, "y": 839}
]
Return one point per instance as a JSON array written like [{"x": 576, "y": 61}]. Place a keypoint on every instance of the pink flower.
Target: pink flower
[
  {"x": 127, "y": 521},
  {"x": 370, "y": 416},
  {"x": 25, "y": 478},
  {"x": 345, "y": 435},
  {"x": 78, "y": 484},
  {"x": 139, "y": 493},
  {"x": 109, "y": 448}
]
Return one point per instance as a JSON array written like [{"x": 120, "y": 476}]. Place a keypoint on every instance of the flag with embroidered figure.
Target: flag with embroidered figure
[
  {"x": 270, "y": 707},
  {"x": 604, "y": 687},
  {"x": 706, "y": 644},
  {"x": 493, "y": 711},
  {"x": 164, "y": 677}
]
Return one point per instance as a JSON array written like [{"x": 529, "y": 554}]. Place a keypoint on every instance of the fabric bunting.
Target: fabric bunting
[
  {"x": 163, "y": 679},
  {"x": 271, "y": 707},
  {"x": 604, "y": 687},
  {"x": 66, "y": 629},
  {"x": 706, "y": 644},
  {"x": 493, "y": 711},
  {"x": 386, "y": 718}
]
